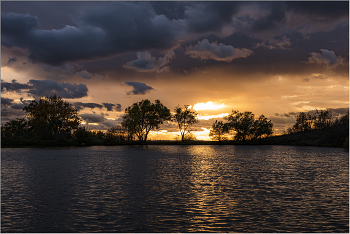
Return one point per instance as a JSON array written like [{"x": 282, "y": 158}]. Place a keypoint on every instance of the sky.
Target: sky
[{"x": 270, "y": 58}]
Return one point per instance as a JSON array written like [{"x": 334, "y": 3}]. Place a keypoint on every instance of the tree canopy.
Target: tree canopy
[
  {"x": 14, "y": 128},
  {"x": 184, "y": 118},
  {"x": 245, "y": 126},
  {"x": 218, "y": 130},
  {"x": 52, "y": 114},
  {"x": 262, "y": 127},
  {"x": 241, "y": 123},
  {"x": 142, "y": 117},
  {"x": 308, "y": 121}
]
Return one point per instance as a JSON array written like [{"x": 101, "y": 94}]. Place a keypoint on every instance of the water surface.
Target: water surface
[{"x": 175, "y": 189}]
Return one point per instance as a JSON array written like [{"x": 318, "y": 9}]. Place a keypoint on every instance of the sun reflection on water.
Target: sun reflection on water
[{"x": 175, "y": 189}]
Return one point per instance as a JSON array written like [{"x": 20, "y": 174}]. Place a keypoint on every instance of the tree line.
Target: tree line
[
  {"x": 55, "y": 120},
  {"x": 243, "y": 126},
  {"x": 319, "y": 119}
]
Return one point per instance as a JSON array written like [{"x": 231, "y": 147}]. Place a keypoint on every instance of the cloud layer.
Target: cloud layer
[
  {"x": 326, "y": 58},
  {"x": 96, "y": 33},
  {"x": 146, "y": 63},
  {"x": 46, "y": 88},
  {"x": 144, "y": 26},
  {"x": 220, "y": 52},
  {"x": 138, "y": 88},
  {"x": 246, "y": 54}
]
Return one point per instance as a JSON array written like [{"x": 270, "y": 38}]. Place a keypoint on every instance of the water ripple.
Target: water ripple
[{"x": 175, "y": 189}]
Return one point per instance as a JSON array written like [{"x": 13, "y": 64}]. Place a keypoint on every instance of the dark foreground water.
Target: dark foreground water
[{"x": 175, "y": 189}]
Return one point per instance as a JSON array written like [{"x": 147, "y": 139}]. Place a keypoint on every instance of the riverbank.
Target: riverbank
[
  {"x": 333, "y": 136},
  {"x": 295, "y": 139}
]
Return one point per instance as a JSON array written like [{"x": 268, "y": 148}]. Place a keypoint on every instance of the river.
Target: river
[{"x": 175, "y": 189}]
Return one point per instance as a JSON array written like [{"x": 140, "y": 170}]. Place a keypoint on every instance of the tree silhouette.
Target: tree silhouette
[
  {"x": 52, "y": 114},
  {"x": 322, "y": 119},
  {"x": 308, "y": 121},
  {"x": 142, "y": 117},
  {"x": 262, "y": 127},
  {"x": 184, "y": 118},
  {"x": 241, "y": 123},
  {"x": 218, "y": 130},
  {"x": 14, "y": 128},
  {"x": 246, "y": 127},
  {"x": 303, "y": 122}
]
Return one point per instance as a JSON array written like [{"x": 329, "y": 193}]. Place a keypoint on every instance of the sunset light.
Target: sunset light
[
  {"x": 208, "y": 106},
  {"x": 211, "y": 57},
  {"x": 207, "y": 117},
  {"x": 174, "y": 116}
]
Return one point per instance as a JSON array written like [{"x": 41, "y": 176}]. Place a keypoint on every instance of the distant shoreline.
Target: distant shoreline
[
  {"x": 334, "y": 136},
  {"x": 275, "y": 141}
]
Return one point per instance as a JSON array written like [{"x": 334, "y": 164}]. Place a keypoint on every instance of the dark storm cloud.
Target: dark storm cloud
[
  {"x": 92, "y": 118},
  {"x": 118, "y": 107},
  {"x": 205, "y": 50},
  {"x": 326, "y": 58},
  {"x": 286, "y": 115},
  {"x": 80, "y": 105},
  {"x": 210, "y": 16},
  {"x": 25, "y": 102},
  {"x": 106, "y": 29},
  {"x": 60, "y": 13},
  {"x": 283, "y": 43},
  {"x": 65, "y": 90},
  {"x": 97, "y": 34},
  {"x": 12, "y": 110},
  {"x": 111, "y": 106},
  {"x": 11, "y": 60},
  {"x": 6, "y": 101},
  {"x": 17, "y": 27},
  {"x": 11, "y": 113},
  {"x": 46, "y": 88},
  {"x": 171, "y": 9},
  {"x": 18, "y": 106},
  {"x": 276, "y": 16},
  {"x": 146, "y": 63},
  {"x": 325, "y": 9},
  {"x": 14, "y": 86},
  {"x": 138, "y": 88},
  {"x": 84, "y": 75}
]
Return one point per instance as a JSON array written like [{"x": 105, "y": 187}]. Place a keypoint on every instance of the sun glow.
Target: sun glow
[
  {"x": 208, "y": 106},
  {"x": 207, "y": 117},
  {"x": 202, "y": 135}
]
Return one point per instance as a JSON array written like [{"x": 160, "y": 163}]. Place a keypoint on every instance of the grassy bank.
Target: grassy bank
[{"x": 334, "y": 136}]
